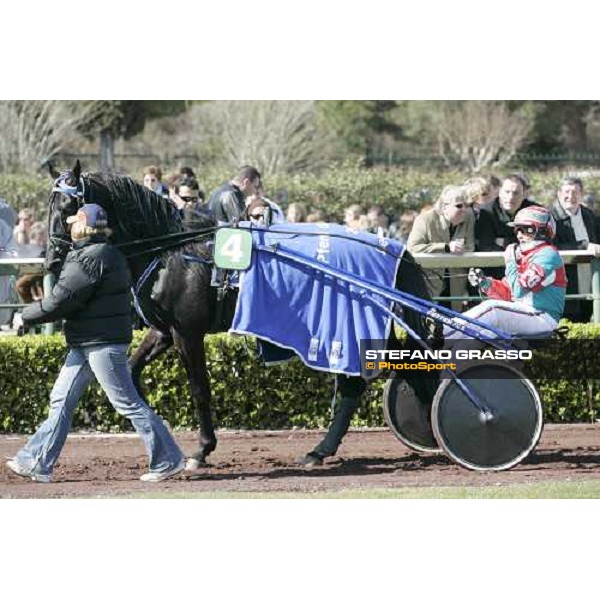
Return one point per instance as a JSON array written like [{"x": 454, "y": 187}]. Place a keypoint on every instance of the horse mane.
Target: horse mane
[{"x": 134, "y": 211}]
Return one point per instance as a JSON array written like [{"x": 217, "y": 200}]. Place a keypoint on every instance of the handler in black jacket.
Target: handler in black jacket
[{"x": 92, "y": 295}]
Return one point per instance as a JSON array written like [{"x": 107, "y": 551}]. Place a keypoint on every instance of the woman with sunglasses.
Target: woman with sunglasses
[
  {"x": 530, "y": 299},
  {"x": 258, "y": 212}
]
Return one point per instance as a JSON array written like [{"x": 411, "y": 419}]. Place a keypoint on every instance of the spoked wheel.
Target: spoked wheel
[
  {"x": 493, "y": 444},
  {"x": 408, "y": 417}
]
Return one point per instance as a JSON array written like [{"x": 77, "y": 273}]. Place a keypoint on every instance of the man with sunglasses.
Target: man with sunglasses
[
  {"x": 448, "y": 227},
  {"x": 530, "y": 299}
]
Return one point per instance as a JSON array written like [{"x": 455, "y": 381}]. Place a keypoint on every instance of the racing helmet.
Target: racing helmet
[{"x": 538, "y": 217}]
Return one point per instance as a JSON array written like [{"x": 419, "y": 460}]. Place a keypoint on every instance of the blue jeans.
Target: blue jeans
[{"x": 108, "y": 363}]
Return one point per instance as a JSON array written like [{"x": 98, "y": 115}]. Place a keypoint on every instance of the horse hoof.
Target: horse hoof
[
  {"x": 193, "y": 464},
  {"x": 311, "y": 460}
]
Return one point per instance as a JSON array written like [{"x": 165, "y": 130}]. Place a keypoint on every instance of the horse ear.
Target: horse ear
[
  {"x": 77, "y": 170},
  {"x": 53, "y": 171}
]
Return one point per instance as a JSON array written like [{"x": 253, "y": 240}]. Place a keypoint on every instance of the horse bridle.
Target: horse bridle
[{"x": 75, "y": 192}]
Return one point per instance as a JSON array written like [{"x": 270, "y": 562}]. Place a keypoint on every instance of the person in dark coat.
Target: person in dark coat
[
  {"x": 575, "y": 230},
  {"x": 92, "y": 295},
  {"x": 228, "y": 202},
  {"x": 491, "y": 230}
]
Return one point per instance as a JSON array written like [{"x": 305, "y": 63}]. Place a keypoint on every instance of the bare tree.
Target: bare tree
[
  {"x": 476, "y": 134},
  {"x": 36, "y": 130},
  {"x": 277, "y": 135}
]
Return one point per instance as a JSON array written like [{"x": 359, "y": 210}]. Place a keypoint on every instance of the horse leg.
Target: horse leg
[
  {"x": 193, "y": 357},
  {"x": 153, "y": 345},
  {"x": 351, "y": 389}
]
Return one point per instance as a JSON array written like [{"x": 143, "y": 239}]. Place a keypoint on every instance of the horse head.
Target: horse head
[
  {"x": 134, "y": 212},
  {"x": 67, "y": 196}
]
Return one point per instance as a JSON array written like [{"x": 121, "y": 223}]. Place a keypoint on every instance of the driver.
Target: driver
[{"x": 530, "y": 299}]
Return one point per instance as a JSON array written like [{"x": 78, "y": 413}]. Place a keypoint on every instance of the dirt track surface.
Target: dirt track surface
[{"x": 95, "y": 465}]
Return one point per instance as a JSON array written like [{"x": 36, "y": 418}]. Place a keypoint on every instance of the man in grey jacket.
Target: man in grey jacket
[{"x": 448, "y": 227}]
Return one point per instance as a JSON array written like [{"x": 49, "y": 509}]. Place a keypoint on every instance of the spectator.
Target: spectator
[
  {"x": 478, "y": 191},
  {"x": 7, "y": 214},
  {"x": 258, "y": 212},
  {"x": 400, "y": 229},
  {"x": 316, "y": 216},
  {"x": 38, "y": 234},
  {"x": 495, "y": 185},
  {"x": 276, "y": 213},
  {"x": 187, "y": 196},
  {"x": 23, "y": 226},
  {"x": 187, "y": 172},
  {"x": 362, "y": 224},
  {"x": 589, "y": 201},
  {"x": 526, "y": 184},
  {"x": 449, "y": 227},
  {"x": 296, "y": 213},
  {"x": 8, "y": 249},
  {"x": 30, "y": 286},
  {"x": 379, "y": 222},
  {"x": 352, "y": 213},
  {"x": 185, "y": 192},
  {"x": 575, "y": 230},
  {"x": 152, "y": 179},
  {"x": 227, "y": 203},
  {"x": 492, "y": 230},
  {"x": 92, "y": 295}
]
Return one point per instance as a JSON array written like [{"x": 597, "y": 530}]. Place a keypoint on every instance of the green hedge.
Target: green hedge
[
  {"x": 396, "y": 189},
  {"x": 246, "y": 395}
]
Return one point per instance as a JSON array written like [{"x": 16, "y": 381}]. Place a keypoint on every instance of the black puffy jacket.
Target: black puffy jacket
[{"x": 91, "y": 294}]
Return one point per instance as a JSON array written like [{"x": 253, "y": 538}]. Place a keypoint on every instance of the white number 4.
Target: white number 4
[{"x": 232, "y": 248}]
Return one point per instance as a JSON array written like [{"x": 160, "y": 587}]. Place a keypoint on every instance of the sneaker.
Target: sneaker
[
  {"x": 155, "y": 477},
  {"x": 21, "y": 471}
]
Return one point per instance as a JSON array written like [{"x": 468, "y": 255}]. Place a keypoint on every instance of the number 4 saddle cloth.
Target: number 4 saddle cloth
[{"x": 318, "y": 316}]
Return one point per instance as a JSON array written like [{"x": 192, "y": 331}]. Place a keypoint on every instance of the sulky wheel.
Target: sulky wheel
[
  {"x": 407, "y": 416},
  {"x": 499, "y": 442}
]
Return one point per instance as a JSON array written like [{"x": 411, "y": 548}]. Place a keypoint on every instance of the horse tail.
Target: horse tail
[{"x": 412, "y": 280}]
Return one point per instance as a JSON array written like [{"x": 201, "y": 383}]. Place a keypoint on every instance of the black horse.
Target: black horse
[{"x": 173, "y": 267}]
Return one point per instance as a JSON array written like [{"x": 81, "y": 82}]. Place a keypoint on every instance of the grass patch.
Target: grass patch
[{"x": 551, "y": 490}]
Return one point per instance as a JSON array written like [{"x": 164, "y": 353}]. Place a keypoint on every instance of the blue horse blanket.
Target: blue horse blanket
[{"x": 318, "y": 316}]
